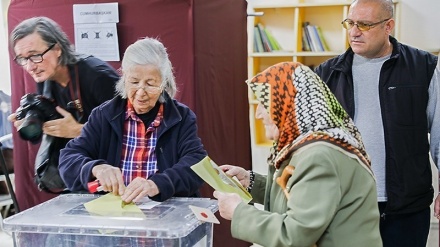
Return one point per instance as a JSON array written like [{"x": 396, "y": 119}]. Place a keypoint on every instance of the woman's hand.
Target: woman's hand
[
  {"x": 139, "y": 188},
  {"x": 240, "y": 173},
  {"x": 227, "y": 203},
  {"x": 110, "y": 178}
]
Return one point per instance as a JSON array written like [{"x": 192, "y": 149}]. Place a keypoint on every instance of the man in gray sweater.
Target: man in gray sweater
[{"x": 391, "y": 91}]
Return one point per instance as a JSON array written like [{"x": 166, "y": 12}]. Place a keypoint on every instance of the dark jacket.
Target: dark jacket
[
  {"x": 97, "y": 80},
  {"x": 403, "y": 94},
  {"x": 178, "y": 148}
]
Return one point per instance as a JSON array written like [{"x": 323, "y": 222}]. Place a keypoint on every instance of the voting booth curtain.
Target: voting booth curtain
[{"x": 206, "y": 41}]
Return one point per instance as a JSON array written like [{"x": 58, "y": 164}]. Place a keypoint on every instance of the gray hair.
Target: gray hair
[
  {"x": 386, "y": 6},
  {"x": 50, "y": 32},
  {"x": 148, "y": 51}
]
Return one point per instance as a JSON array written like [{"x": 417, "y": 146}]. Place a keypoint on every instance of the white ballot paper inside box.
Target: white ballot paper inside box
[
  {"x": 95, "y": 30},
  {"x": 212, "y": 174}
]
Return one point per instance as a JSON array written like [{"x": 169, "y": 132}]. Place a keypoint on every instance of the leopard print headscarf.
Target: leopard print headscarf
[{"x": 304, "y": 110}]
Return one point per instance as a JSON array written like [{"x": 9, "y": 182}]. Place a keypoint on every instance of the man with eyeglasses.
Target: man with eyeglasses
[
  {"x": 391, "y": 91},
  {"x": 77, "y": 83}
]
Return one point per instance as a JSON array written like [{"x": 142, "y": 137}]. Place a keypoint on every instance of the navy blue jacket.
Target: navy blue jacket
[
  {"x": 178, "y": 148},
  {"x": 403, "y": 93}
]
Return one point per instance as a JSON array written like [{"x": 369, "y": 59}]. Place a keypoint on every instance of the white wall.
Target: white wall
[
  {"x": 5, "y": 78},
  {"x": 420, "y": 23}
]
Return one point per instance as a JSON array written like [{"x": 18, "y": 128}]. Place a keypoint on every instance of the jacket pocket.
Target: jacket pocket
[{"x": 406, "y": 104}]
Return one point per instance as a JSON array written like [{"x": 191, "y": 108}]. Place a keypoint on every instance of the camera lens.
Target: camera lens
[{"x": 31, "y": 128}]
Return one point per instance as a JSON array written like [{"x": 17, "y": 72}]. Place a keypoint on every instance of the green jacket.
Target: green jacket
[{"x": 332, "y": 203}]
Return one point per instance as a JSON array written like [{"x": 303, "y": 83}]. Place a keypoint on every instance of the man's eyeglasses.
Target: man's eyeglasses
[
  {"x": 348, "y": 24},
  {"x": 147, "y": 88},
  {"x": 37, "y": 58}
]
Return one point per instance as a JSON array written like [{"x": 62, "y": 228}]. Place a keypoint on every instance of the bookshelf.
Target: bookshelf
[{"x": 284, "y": 20}]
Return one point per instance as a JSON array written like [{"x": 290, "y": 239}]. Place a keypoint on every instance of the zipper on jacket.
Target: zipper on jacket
[
  {"x": 392, "y": 87},
  {"x": 383, "y": 216}
]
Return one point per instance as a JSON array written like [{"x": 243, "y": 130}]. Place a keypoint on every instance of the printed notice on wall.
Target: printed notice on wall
[{"x": 95, "y": 30}]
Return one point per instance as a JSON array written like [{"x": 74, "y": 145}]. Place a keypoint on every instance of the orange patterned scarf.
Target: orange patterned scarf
[{"x": 304, "y": 110}]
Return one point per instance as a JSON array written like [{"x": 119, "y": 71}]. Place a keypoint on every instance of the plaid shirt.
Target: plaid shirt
[{"x": 138, "y": 158}]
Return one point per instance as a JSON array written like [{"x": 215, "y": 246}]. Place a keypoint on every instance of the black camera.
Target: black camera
[{"x": 35, "y": 109}]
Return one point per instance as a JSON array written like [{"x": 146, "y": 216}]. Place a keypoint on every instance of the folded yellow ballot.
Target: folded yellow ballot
[
  {"x": 111, "y": 205},
  {"x": 212, "y": 174}
]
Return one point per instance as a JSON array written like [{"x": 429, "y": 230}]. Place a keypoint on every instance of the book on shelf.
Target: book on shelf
[
  {"x": 321, "y": 38},
  {"x": 307, "y": 39},
  {"x": 258, "y": 44},
  {"x": 314, "y": 39},
  {"x": 315, "y": 43},
  {"x": 255, "y": 48},
  {"x": 266, "y": 42},
  {"x": 272, "y": 41}
]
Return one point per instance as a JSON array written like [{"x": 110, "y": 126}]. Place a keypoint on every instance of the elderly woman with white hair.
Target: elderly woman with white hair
[{"x": 142, "y": 142}]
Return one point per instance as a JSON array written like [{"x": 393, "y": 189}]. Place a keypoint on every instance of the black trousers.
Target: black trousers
[{"x": 405, "y": 230}]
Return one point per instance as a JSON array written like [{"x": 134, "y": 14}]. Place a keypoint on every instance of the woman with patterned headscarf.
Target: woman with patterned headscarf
[{"x": 320, "y": 188}]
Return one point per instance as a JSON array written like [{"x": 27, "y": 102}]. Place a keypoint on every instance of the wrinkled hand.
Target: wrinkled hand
[
  {"x": 240, "y": 173},
  {"x": 437, "y": 207},
  {"x": 110, "y": 178},
  {"x": 227, "y": 203},
  {"x": 139, "y": 188},
  {"x": 66, "y": 127}
]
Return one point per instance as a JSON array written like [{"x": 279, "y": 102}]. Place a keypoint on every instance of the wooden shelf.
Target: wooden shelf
[{"x": 284, "y": 19}]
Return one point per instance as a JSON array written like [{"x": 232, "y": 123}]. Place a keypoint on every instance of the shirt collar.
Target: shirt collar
[{"x": 129, "y": 112}]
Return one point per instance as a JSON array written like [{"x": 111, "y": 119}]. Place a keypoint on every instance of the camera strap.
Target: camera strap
[{"x": 75, "y": 93}]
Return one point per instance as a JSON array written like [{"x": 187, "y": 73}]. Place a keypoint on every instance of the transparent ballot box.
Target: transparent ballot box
[{"x": 65, "y": 221}]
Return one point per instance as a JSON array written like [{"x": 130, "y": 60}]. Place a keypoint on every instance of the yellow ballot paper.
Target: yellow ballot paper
[
  {"x": 212, "y": 174},
  {"x": 111, "y": 205}
]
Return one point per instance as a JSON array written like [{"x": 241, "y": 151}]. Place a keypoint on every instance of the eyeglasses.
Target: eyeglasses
[
  {"x": 148, "y": 88},
  {"x": 37, "y": 58},
  {"x": 348, "y": 24}
]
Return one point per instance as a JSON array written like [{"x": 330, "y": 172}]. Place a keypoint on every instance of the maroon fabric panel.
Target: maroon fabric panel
[
  {"x": 169, "y": 20},
  {"x": 221, "y": 92},
  {"x": 206, "y": 41}
]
